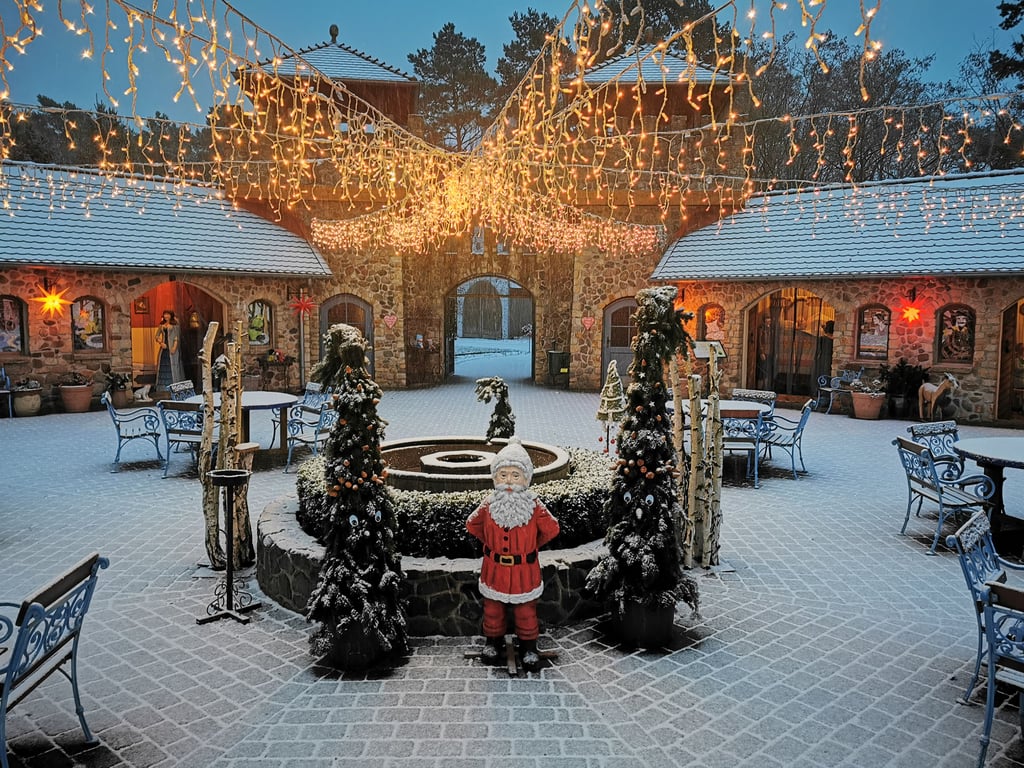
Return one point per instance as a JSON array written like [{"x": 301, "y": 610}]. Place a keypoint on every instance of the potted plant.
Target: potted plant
[
  {"x": 75, "y": 392},
  {"x": 902, "y": 382},
  {"x": 28, "y": 397},
  {"x": 117, "y": 386},
  {"x": 868, "y": 397}
]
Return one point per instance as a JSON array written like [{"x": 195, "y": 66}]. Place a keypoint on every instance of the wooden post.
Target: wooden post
[
  {"x": 211, "y": 493},
  {"x": 713, "y": 489},
  {"x": 695, "y": 481},
  {"x": 243, "y": 551}
]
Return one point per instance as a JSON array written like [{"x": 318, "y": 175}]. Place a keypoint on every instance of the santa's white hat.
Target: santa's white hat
[{"x": 513, "y": 455}]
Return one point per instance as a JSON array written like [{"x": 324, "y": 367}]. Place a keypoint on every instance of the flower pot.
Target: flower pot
[
  {"x": 27, "y": 402},
  {"x": 640, "y": 626},
  {"x": 76, "y": 398},
  {"x": 867, "y": 405},
  {"x": 120, "y": 398}
]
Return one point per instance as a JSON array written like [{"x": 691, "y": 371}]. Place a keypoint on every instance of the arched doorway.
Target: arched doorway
[
  {"x": 351, "y": 310},
  {"x": 787, "y": 343},
  {"x": 194, "y": 309},
  {"x": 619, "y": 330},
  {"x": 1010, "y": 395},
  {"x": 489, "y": 329}
]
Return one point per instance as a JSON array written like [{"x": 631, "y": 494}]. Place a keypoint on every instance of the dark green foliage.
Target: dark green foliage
[
  {"x": 434, "y": 524},
  {"x": 502, "y": 423},
  {"x": 357, "y": 600},
  {"x": 644, "y": 564},
  {"x": 903, "y": 379}
]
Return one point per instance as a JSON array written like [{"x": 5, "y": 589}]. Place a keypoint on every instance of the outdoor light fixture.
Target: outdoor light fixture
[{"x": 51, "y": 300}]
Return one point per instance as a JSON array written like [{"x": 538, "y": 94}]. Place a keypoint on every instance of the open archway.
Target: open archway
[{"x": 489, "y": 321}]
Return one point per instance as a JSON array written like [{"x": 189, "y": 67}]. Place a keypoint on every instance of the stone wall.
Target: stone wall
[{"x": 442, "y": 593}]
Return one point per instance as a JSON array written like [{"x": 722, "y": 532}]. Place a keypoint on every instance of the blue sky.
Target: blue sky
[{"x": 391, "y": 29}]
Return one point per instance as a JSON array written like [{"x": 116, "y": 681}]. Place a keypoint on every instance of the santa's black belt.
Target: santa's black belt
[{"x": 510, "y": 559}]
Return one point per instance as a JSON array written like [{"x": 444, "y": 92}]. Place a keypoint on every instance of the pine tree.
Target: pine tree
[
  {"x": 613, "y": 403},
  {"x": 502, "y": 423},
  {"x": 643, "y": 564},
  {"x": 357, "y": 600}
]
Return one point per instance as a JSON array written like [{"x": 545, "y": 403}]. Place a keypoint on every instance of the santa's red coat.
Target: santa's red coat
[{"x": 520, "y": 582}]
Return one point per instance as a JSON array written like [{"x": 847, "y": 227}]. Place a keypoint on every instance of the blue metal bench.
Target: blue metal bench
[
  {"x": 40, "y": 634},
  {"x": 939, "y": 437},
  {"x": 834, "y": 386},
  {"x": 1002, "y": 609},
  {"x": 980, "y": 563},
  {"x": 133, "y": 424},
  {"x": 312, "y": 398},
  {"x": 313, "y": 433},
  {"x": 930, "y": 478}
]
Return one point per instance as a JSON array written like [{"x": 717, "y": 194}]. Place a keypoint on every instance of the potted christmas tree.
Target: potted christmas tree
[
  {"x": 613, "y": 403},
  {"x": 641, "y": 578},
  {"x": 356, "y": 603}
]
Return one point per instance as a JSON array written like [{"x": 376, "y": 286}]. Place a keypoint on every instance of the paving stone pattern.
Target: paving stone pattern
[{"x": 828, "y": 640}]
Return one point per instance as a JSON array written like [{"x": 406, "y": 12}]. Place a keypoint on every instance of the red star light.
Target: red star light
[
  {"x": 302, "y": 305},
  {"x": 911, "y": 314},
  {"x": 52, "y": 300}
]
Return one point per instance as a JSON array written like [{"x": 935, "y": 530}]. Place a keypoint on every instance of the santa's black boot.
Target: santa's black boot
[
  {"x": 491, "y": 650},
  {"x": 529, "y": 655}
]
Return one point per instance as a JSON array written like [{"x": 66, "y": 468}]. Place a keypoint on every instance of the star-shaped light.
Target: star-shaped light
[
  {"x": 52, "y": 300},
  {"x": 302, "y": 305},
  {"x": 911, "y": 314}
]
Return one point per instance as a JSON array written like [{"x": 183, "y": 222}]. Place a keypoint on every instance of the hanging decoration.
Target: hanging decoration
[
  {"x": 51, "y": 300},
  {"x": 302, "y": 305},
  {"x": 390, "y": 320},
  {"x": 911, "y": 314}
]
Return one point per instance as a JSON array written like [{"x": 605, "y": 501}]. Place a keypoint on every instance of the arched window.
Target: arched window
[
  {"x": 261, "y": 324},
  {"x": 954, "y": 330},
  {"x": 873, "y": 322},
  {"x": 13, "y": 325},
  {"x": 711, "y": 323},
  {"x": 88, "y": 324}
]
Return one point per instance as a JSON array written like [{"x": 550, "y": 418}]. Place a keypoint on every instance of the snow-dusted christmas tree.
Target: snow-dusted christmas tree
[
  {"x": 641, "y": 578},
  {"x": 502, "y": 423},
  {"x": 357, "y": 602},
  {"x": 613, "y": 402}
]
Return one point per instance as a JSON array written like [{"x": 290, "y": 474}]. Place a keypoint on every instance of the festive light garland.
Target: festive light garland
[{"x": 563, "y": 166}]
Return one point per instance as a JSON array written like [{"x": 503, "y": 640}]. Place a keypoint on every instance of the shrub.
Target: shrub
[{"x": 434, "y": 524}]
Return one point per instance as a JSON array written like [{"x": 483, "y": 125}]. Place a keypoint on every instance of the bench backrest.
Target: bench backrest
[
  {"x": 977, "y": 554},
  {"x": 939, "y": 436},
  {"x": 181, "y": 418},
  {"x": 48, "y": 621},
  {"x": 182, "y": 390},
  {"x": 132, "y": 421},
  {"x": 765, "y": 396},
  {"x": 917, "y": 463}
]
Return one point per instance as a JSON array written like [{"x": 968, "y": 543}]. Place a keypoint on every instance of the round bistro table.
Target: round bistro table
[{"x": 258, "y": 400}]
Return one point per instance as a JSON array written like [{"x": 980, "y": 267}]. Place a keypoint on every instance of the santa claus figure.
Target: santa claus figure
[{"x": 512, "y": 524}]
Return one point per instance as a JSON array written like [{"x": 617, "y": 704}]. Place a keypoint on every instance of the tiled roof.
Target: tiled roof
[
  {"x": 963, "y": 225},
  {"x": 671, "y": 66},
  {"x": 70, "y": 217},
  {"x": 338, "y": 62}
]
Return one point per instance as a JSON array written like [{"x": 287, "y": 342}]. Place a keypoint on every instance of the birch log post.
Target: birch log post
[
  {"x": 712, "y": 545},
  {"x": 696, "y": 494},
  {"x": 243, "y": 550},
  {"x": 684, "y": 529},
  {"x": 211, "y": 494}
]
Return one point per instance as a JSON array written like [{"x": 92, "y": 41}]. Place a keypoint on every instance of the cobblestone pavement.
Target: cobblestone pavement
[{"x": 828, "y": 640}]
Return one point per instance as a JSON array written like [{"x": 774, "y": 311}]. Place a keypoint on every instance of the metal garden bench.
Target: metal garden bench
[
  {"x": 303, "y": 431},
  {"x": 927, "y": 478},
  {"x": 312, "y": 398},
  {"x": 133, "y": 424},
  {"x": 939, "y": 437},
  {"x": 834, "y": 386},
  {"x": 40, "y": 634},
  {"x": 980, "y": 563}
]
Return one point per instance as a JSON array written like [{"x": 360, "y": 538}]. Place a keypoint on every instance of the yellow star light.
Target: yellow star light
[
  {"x": 52, "y": 301},
  {"x": 911, "y": 314}
]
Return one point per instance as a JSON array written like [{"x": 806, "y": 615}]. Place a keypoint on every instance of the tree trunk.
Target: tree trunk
[
  {"x": 244, "y": 551},
  {"x": 696, "y": 501},
  {"x": 713, "y": 488},
  {"x": 211, "y": 494}
]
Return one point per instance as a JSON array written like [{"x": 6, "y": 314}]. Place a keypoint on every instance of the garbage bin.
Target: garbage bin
[{"x": 558, "y": 368}]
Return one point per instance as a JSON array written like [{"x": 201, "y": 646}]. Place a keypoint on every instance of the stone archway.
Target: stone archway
[{"x": 490, "y": 315}]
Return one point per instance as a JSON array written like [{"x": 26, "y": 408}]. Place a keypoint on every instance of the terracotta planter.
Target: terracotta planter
[
  {"x": 120, "y": 398},
  {"x": 27, "y": 402},
  {"x": 867, "y": 406},
  {"x": 76, "y": 398},
  {"x": 643, "y": 627}
]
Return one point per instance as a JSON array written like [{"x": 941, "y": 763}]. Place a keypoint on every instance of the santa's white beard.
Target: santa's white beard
[{"x": 511, "y": 506}]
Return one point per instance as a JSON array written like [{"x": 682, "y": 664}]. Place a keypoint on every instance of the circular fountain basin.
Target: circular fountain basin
[{"x": 452, "y": 463}]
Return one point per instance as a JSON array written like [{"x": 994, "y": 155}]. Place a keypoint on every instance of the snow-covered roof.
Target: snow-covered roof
[
  {"x": 79, "y": 218},
  {"x": 671, "y": 66},
  {"x": 336, "y": 61},
  {"x": 964, "y": 225}
]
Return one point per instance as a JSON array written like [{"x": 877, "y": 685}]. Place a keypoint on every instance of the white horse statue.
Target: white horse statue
[{"x": 929, "y": 394}]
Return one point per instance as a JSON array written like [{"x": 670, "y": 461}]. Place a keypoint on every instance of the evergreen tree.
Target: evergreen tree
[
  {"x": 356, "y": 601},
  {"x": 502, "y": 423},
  {"x": 1006, "y": 65},
  {"x": 643, "y": 564},
  {"x": 613, "y": 403}
]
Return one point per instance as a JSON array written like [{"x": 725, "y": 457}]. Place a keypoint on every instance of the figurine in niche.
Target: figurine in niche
[{"x": 513, "y": 524}]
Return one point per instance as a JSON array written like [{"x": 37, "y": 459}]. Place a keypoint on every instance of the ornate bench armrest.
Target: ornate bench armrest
[{"x": 976, "y": 485}]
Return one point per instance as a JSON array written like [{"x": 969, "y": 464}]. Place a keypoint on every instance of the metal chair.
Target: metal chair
[
  {"x": 745, "y": 435},
  {"x": 1003, "y": 617},
  {"x": 980, "y": 563},
  {"x": 133, "y": 424},
  {"x": 5, "y": 391},
  {"x": 925, "y": 481},
  {"x": 764, "y": 396},
  {"x": 939, "y": 437},
  {"x": 183, "y": 427},
  {"x": 787, "y": 434},
  {"x": 312, "y": 434},
  {"x": 182, "y": 390},
  {"x": 313, "y": 397}
]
